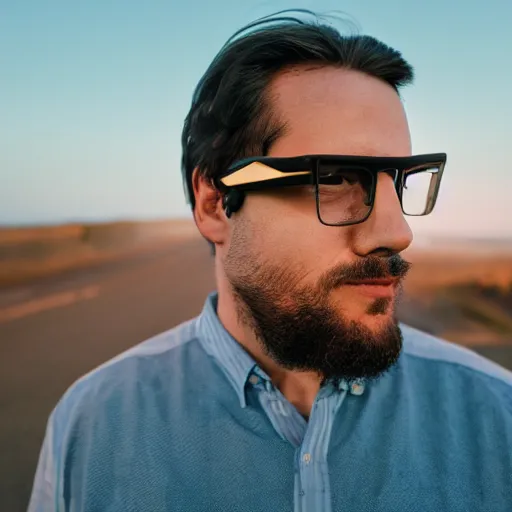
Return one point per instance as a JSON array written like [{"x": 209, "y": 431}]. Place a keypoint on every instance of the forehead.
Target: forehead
[{"x": 338, "y": 111}]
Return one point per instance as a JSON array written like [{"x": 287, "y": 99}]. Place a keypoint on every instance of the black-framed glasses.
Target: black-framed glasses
[{"x": 344, "y": 186}]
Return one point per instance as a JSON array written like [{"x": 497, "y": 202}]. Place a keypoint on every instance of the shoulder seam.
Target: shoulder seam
[{"x": 460, "y": 364}]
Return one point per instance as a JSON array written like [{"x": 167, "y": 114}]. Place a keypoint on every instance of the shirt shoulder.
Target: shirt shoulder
[
  {"x": 162, "y": 357},
  {"x": 446, "y": 362}
]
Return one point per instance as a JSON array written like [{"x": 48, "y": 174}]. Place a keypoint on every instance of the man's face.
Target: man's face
[{"x": 298, "y": 282}]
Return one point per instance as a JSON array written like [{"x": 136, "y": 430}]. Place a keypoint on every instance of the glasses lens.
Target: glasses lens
[
  {"x": 344, "y": 193},
  {"x": 419, "y": 187}
]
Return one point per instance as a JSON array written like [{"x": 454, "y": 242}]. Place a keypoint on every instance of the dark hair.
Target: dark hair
[{"x": 231, "y": 117}]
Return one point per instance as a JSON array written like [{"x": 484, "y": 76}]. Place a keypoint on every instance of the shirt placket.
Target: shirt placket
[
  {"x": 312, "y": 491},
  {"x": 312, "y": 483}
]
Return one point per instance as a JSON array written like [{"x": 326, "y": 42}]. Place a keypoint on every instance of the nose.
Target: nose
[{"x": 386, "y": 231}]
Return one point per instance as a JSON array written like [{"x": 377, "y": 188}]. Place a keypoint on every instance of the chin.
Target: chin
[
  {"x": 373, "y": 321},
  {"x": 378, "y": 323},
  {"x": 377, "y": 311}
]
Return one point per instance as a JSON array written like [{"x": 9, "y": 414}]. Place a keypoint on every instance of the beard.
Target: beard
[{"x": 300, "y": 328}]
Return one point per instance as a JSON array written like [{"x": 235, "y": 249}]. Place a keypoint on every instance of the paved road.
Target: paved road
[{"x": 68, "y": 325}]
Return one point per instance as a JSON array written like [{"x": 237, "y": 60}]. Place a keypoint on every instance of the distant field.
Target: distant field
[
  {"x": 460, "y": 291},
  {"x": 30, "y": 253},
  {"x": 437, "y": 269},
  {"x": 462, "y": 296}
]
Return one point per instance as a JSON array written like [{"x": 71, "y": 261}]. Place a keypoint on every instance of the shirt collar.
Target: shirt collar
[{"x": 234, "y": 361}]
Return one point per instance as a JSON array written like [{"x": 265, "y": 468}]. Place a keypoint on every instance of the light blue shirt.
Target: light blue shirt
[{"x": 188, "y": 422}]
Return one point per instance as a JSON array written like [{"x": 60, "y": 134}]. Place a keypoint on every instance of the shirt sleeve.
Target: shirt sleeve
[{"x": 44, "y": 497}]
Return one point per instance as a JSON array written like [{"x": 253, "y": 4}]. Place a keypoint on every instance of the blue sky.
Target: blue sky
[{"x": 94, "y": 95}]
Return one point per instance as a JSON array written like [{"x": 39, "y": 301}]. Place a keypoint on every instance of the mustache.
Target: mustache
[{"x": 371, "y": 267}]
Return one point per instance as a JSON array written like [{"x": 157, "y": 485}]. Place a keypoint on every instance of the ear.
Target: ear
[{"x": 208, "y": 212}]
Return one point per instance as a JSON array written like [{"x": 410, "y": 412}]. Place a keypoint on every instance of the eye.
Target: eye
[{"x": 339, "y": 177}]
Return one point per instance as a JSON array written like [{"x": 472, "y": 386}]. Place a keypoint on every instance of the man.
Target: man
[{"x": 295, "y": 389}]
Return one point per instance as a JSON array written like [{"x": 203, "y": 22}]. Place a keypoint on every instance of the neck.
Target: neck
[{"x": 299, "y": 388}]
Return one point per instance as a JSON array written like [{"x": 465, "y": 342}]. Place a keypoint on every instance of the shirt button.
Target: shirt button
[
  {"x": 306, "y": 458},
  {"x": 254, "y": 379},
  {"x": 357, "y": 389}
]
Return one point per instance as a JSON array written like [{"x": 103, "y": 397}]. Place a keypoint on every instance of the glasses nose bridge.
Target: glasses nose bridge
[{"x": 394, "y": 174}]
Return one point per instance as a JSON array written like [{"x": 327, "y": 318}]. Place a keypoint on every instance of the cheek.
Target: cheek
[{"x": 284, "y": 233}]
